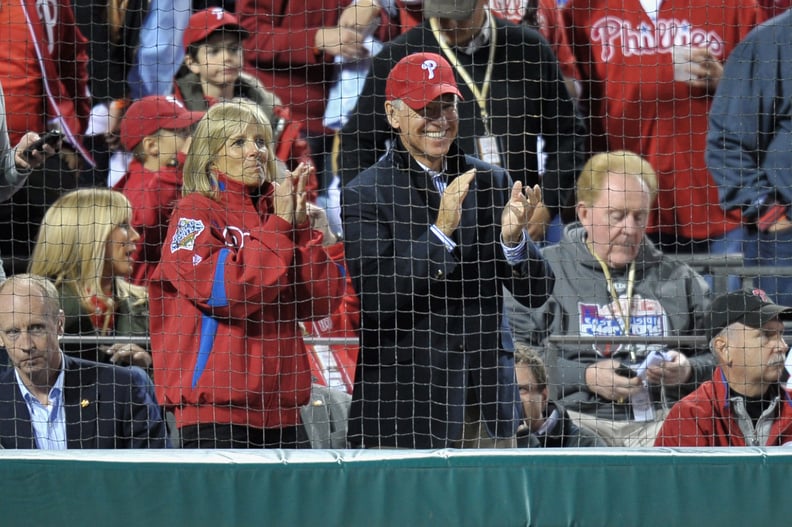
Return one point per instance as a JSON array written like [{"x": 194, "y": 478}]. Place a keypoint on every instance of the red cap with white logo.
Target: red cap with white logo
[
  {"x": 420, "y": 78},
  {"x": 203, "y": 23}
]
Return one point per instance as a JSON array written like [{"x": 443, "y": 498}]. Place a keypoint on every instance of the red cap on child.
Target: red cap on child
[
  {"x": 420, "y": 78},
  {"x": 150, "y": 114},
  {"x": 204, "y": 23}
]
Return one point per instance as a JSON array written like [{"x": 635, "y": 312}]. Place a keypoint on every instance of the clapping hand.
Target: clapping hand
[
  {"x": 318, "y": 217},
  {"x": 290, "y": 200},
  {"x": 518, "y": 212},
  {"x": 450, "y": 213}
]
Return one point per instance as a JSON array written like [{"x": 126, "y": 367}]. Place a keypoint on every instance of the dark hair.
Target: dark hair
[{"x": 527, "y": 356}]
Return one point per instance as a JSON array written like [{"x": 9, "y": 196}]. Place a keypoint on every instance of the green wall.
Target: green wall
[{"x": 608, "y": 487}]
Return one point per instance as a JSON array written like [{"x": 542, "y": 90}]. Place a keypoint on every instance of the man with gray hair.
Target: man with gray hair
[
  {"x": 744, "y": 404},
  {"x": 432, "y": 237}
]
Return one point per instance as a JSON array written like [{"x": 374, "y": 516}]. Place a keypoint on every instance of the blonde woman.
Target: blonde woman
[
  {"x": 240, "y": 269},
  {"x": 85, "y": 246}
]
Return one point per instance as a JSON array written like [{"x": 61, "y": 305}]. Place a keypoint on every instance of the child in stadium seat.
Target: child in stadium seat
[
  {"x": 213, "y": 65},
  {"x": 157, "y": 131},
  {"x": 213, "y": 71}
]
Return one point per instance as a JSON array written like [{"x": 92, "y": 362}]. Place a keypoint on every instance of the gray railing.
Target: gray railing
[
  {"x": 144, "y": 341},
  {"x": 673, "y": 341}
]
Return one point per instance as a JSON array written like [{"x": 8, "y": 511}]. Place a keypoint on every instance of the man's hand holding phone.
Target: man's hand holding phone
[{"x": 33, "y": 149}]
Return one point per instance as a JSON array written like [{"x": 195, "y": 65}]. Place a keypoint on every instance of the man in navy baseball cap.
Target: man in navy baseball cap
[
  {"x": 752, "y": 308},
  {"x": 745, "y": 403}
]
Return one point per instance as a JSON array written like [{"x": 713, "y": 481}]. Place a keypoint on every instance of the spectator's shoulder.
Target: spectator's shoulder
[
  {"x": 488, "y": 174},
  {"x": 103, "y": 373},
  {"x": 519, "y": 32},
  {"x": 7, "y": 375},
  {"x": 192, "y": 203},
  {"x": 373, "y": 176}
]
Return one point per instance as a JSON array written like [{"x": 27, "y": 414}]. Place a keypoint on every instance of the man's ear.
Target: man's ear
[
  {"x": 720, "y": 346},
  {"x": 582, "y": 211},
  {"x": 61, "y": 324},
  {"x": 390, "y": 114}
]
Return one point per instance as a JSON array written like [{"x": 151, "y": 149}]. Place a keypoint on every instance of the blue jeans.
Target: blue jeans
[{"x": 775, "y": 250}]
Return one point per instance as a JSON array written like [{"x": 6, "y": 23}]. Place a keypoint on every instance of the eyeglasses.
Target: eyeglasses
[
  {"x": 433, "y": 111},
  {"x": 35, "y": 332}
]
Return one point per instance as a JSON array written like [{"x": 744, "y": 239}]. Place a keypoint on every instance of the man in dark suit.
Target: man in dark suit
[
  {"x": 54, "y": 402},
  {"x": 432, "y": 237}
]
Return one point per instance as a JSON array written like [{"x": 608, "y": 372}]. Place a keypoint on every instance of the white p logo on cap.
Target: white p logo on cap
[{"x": 430, "y": 66}]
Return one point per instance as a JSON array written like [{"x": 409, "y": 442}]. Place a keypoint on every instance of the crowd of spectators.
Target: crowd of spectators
[{"x": 511, "y": 174}]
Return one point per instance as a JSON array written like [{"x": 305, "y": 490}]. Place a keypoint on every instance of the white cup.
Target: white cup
[{"x": 680, "y": 54}]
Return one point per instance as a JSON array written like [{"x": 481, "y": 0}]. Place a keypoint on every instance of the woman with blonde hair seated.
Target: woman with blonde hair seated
[{"x": 85, "y": 246}]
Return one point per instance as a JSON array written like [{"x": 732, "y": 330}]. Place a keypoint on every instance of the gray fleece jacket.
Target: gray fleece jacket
[{"x": 669, "y": 299}]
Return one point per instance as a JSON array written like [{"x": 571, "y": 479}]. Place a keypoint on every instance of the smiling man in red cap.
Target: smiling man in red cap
[
  {"x": 513, "y": 94},
  {"x": 432, "y": 236},
  {"x": 157, "y": 131},
  {"x": 744, "y": 404}
]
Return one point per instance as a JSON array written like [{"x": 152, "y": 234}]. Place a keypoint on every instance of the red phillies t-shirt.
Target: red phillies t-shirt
[{"x": 20, "y": 74}]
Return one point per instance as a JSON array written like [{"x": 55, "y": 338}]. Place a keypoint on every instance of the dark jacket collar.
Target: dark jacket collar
[{"x": 455, "y": 160}]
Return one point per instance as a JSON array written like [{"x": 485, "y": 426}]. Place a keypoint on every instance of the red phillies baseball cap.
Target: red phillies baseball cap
[
  {"x": 150, "y": 114},
  {"x": 420, "y": 78},
  {"x": 204, "y": 23}
]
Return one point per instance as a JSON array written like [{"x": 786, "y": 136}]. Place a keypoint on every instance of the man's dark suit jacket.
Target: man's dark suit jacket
[
  {"x": 430, "y": 318},
  {"x": 106, "y": 407}
]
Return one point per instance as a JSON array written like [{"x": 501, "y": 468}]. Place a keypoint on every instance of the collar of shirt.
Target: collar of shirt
[
  {"x": 481, "y": 39},
  {"x": 438, "y": 178},
  {"x": 56, "y": 392},
  {"x": 549, "y": 423},
  {"x": 50, "y": 435}
]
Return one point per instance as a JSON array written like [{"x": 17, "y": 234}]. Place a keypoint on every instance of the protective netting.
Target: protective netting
[{"x": 394, "y": 223}]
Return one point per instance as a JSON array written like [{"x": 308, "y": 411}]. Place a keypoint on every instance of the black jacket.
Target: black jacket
[
  {"x": 110, "y": 58},
  {"x": 430, "y": 318},
  {"x": 563, "y": 433}
]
